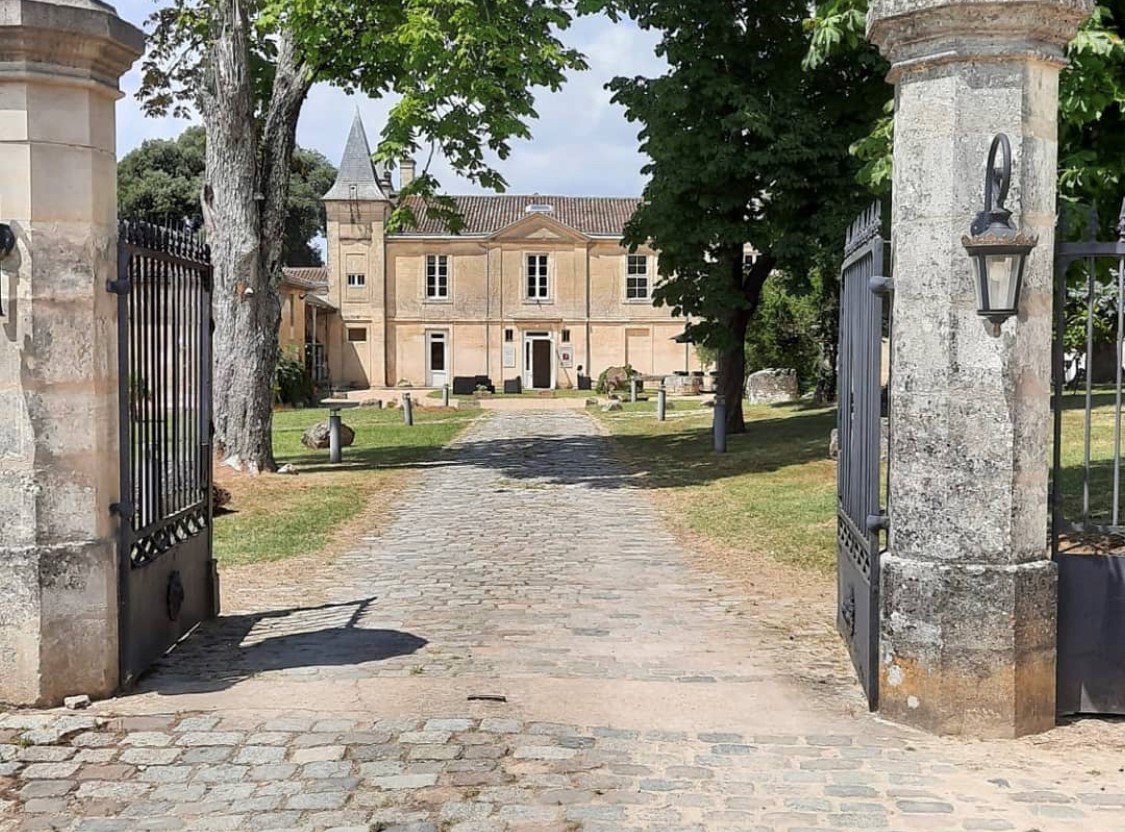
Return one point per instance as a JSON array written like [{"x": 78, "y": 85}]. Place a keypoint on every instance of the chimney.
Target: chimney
[{"x": 405, "y": 172}]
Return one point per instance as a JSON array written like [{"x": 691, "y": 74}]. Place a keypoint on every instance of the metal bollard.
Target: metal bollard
[
  {"x": 407, "y": 410},
  {"x": 720, "y": 425},
  {"x": 661, "y": 403},
  {"x": 335, "y": 453},
  {"x": 445, "y": 395},
  {"x": 633, "y": 390}
]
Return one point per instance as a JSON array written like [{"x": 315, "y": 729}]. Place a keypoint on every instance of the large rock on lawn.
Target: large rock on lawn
[
  {"x": 317, "y": 438},
  {"x": 772, "y": 386}
]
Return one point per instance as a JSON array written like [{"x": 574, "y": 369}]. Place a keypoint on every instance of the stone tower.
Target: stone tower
[{"x": 357, "y": 206}]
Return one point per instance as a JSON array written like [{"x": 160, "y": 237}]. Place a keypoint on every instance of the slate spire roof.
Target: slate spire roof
[{"x": 357, "y": 178}]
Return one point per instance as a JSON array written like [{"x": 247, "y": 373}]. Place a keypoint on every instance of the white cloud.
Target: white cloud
[{"x": 581, "y": 145}]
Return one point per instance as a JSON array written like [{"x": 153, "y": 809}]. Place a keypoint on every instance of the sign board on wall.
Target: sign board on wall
[
  {"x": 566, "y": 356},
  {"x": 509, "y": 355}
]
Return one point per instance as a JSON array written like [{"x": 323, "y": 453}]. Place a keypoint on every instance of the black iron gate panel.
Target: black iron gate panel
[
  {"x": 859, "y": 516},
  {"x": 168, "y": 582},
  {"x": 1088, "y": 532}
]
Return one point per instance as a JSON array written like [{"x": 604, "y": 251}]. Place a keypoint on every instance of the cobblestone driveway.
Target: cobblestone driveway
[{"x": 640, "y": 694}]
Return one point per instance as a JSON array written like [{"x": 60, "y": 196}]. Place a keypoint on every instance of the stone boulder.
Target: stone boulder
[
  {"x": 680, "y": 385},
  {"x": 317, "y": 437},
  {"x": 616, "y": 378},
  {"x": 772, "y": 386}
]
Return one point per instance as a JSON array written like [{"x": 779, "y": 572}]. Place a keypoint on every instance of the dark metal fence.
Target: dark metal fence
[
  {"x": 860, "y": 517},
  {"x": 1088, "y": 536},
  {"x": 164, "y": 357}
]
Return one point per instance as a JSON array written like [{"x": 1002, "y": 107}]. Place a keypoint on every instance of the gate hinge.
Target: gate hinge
[
  {"x": 881, "y": 286},
  {"x": 124, "y": 510},
  {"x": 121, "y": 286},
  {"x": 878, "y": 522}
]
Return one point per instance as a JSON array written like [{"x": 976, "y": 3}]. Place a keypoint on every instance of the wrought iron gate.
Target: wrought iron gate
[
  {"x": 860, "y": 517},
  {"x": 1088, "y": 529},
  {"x": 168, "y": 581}
]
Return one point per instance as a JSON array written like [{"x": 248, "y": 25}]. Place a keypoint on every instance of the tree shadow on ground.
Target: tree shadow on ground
[
  {"x": 225, "y": 651},
  {"x": 669, "y": 459}
]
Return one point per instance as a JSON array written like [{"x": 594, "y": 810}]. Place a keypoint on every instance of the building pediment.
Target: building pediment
[{"x": 539, "y": 227}]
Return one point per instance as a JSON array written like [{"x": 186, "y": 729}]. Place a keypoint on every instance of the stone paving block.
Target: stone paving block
[
  {"x": 149, "y": 756},
  {"x": 49, "y": 771}
]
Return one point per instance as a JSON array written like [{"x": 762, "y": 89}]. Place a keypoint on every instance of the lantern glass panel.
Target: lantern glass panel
[{"x": 997, "y": 281}]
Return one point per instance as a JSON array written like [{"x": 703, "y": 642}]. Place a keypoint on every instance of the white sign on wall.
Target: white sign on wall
[
  {"x": 509, "y": 355},
  {"x": 566, "y": 356}
]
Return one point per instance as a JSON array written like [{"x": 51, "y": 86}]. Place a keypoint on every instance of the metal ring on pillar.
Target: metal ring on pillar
[
  {"x": 7, "y": 240},
  {"x": 7, "y": 244}
]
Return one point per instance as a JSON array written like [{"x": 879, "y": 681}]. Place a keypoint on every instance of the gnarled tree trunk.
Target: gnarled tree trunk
[{"x": 244, "y": 206}]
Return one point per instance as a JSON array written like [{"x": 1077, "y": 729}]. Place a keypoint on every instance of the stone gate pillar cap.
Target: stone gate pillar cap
[
  {"x": 914, "y": 34},
  {"x": 84, "y": 39}
]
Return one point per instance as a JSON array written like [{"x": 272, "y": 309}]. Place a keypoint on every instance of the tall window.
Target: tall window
[
  {"x": 636, "y": 277},
  {"x": 356, "y": 280},
  {"x": 437, "y": 277},
  {"x": 537, "y": 287}
]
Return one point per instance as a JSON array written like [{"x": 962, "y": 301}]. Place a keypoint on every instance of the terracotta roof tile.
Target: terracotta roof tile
[
  {"x": 306, "y": 277},
  {"x": 593, "y": 215}
]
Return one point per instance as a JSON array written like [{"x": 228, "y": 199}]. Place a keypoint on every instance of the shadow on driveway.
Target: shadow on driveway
[{"x": 298, "y": 642}]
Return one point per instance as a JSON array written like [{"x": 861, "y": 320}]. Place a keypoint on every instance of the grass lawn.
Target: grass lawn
[
  {"x": 1102, "y": 420},
  {"x": 772, "y": 493},
  {"x": 280, "y": 516}
]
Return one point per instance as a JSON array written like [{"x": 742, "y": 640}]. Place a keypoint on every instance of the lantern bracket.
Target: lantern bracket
[{"x": 997, "y": 181}]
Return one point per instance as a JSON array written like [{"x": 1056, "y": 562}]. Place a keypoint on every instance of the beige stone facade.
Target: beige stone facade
[{"x": 533, "y": 288}]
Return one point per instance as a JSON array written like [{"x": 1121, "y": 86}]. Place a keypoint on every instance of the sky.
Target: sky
[{"x": 581, "y": 145}]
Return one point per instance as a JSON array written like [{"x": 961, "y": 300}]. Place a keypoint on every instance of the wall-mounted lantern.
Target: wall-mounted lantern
[
  {"x": 999, "y": 251},
  {"x": 7, "y": 244}
]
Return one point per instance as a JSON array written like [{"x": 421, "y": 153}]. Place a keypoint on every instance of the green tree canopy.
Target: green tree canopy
[
  {"x": 1091, "y": 99},
  {"x": 746, "y": 148},
  {"x": 161, "y": 182}
]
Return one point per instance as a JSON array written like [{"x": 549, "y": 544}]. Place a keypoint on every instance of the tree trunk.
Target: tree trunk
[
  {"x": 732, "y": 371},
  {"x": 244, "y": 199},
  {"x": 749, "y": 281},
  {"x": 829, "y": 337}
]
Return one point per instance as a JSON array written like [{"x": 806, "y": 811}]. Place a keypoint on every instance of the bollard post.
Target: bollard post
[
  {"x": 407, "y": 410},
  {"x": 445, "y": 395},
  {"x": 720, "y": 425},
  {"x": 633, "y": 390},
  {"x": 335, "y": 453},
  {"x": 661, "y": 402}
]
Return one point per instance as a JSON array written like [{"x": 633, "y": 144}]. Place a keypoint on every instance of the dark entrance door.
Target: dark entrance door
[
  {"x": 859, "y": 516},
  {"x": 168, "y": 582},
  {"x": 1088, "y": 525},
  {"x": 541, "y": 363}
]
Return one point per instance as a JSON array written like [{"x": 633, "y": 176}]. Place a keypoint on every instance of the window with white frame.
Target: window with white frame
[
  {"x": 437, "y": 277},
  {"x": 356, "y": 280},
  {"x": 538, "y": 287},
  {"x": 636, "y": 277}
]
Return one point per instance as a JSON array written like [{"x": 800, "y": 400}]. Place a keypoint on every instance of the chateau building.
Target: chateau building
[{"x": 535, "y": 288}]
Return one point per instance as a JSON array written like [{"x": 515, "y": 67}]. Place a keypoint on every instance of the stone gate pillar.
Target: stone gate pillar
[
  {"x": 59, "y": 68},
  {"x": 968, "y": 603}
]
